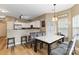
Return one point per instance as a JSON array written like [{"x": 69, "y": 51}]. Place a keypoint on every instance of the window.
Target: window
[
  {"x": 63, "y": 26},
  {"x": 50, "y": 27},
  {"x": 75, "y": 25}
]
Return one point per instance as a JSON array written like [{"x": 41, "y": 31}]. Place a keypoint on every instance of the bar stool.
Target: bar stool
[
  {"x": 11, "y": 43},
  {"x": 30, "y": 40},
  {"x": 23, "y": 40}
]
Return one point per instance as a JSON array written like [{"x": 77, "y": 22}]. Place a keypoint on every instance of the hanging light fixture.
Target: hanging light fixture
[{"x": 54, "y": 16}]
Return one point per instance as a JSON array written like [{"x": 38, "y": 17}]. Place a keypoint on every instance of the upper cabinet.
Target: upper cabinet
[
  {"x": 30, "y": 25},
  {"x": 35, "y": 24},
  {"x": 43, "y": 23}
]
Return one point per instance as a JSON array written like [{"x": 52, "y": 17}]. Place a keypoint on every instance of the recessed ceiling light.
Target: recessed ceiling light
[
  {"x": 1, "y": 17},
  {"x": 3, "y": 11},
  {"x": 25, "y": 17}
]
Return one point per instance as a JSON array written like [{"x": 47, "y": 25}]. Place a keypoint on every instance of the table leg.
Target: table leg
[
  {"x": 35, "y": 46},
  {"x": 62, "y": 39},
  {"x": 41, "y": 45},
  {"x": 49, "y": 49}
]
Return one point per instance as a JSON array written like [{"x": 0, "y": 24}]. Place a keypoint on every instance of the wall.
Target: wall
[{"x": 75, "y": 10}]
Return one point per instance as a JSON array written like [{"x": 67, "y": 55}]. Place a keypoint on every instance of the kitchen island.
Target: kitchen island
[{"x": 17, "y": 33}]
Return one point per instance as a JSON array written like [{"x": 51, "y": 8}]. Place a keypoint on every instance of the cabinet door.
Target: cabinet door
[
  {"x": 42, "y": 23},
  {"x": 35, "y": 24}
]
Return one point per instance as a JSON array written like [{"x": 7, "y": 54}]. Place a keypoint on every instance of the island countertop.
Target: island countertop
[{"x": 27, "y": 28}]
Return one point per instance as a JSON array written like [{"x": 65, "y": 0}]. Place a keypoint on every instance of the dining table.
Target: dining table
[{"x": 48, "y": 39}]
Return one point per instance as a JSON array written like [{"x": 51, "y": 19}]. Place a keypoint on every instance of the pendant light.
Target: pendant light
[{"x": 54, "y": 16}]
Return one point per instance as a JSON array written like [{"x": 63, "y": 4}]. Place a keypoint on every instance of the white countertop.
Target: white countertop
[{"x": 49, "y": 38}]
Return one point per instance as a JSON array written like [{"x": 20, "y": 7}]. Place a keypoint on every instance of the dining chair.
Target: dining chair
[
  {"x": 41, "y": 34},
  {"x": 31, "y": 38},
  {"x": 60, "y": 50},
  {"x": 65, "y": 49},
  {"x": 62, "y": 40},
  {"x": 74, "y": 43}
]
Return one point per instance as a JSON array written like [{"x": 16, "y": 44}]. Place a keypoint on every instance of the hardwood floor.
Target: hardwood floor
[
  {"x": 20, "y": 50},
  {"x": 2, "y": 43}
]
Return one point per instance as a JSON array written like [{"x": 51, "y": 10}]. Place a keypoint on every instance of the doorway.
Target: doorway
[{"x": 3, "y": 34}]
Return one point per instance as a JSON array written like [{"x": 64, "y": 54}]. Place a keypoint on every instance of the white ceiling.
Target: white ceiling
[{"x": 31, "y": 10}]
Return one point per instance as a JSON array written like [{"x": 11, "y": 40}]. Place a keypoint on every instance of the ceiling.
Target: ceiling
[{"x": 31, "y": 10}]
